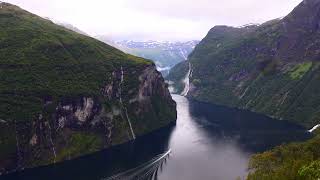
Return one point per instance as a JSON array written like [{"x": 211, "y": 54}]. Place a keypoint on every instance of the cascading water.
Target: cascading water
[
  {"x": 123, "y": 107},
  {"x": 186, "y": 82},
  {"x": 52, "y": 145},
  {"x": 18, "y": 145}
]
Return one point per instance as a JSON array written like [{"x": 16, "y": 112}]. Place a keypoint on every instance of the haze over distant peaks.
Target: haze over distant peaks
[{"x": 165, "y": 54}]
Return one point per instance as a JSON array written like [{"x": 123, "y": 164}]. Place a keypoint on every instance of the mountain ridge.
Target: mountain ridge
[
  {"x": 64, "y": 95},
  {"x": 270, "y": 68},
  {"x": 165, "y": 54}
]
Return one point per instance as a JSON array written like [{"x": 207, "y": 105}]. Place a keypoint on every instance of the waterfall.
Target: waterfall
[
  {"x": 186, "y": 82},
  {"x": 314, "y": 128},
  {"x": 129, "y": 122},
  {"x": 123, "y": 107},
  {"x": 18, "y": 146},
  {"x": 52, "y": 145}
]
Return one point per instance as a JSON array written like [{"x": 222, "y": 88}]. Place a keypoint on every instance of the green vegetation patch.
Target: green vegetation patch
[
  {"x": 7, "y": 140},
  {"x": 287, "y": 162},
  {"x": 311, "y": 171},
  {"x": 81, "y": 143},
  {"x": 300, "y": 70}
]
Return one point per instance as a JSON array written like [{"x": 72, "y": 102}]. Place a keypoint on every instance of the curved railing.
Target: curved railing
[{"x": 146, "y": 171}]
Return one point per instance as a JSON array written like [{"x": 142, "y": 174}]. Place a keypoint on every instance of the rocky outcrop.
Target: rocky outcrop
[{"x": 77, "y": 112}]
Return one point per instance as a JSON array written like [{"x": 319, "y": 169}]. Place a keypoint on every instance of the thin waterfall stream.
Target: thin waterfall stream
[
  {"x": 186, "y": 82},
  {"x": 123, "y": 106}
]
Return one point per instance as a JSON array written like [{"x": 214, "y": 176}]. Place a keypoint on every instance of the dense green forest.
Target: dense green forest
[
  {"x": 271, "y": 68},
  {"x": 295, "y": 161},
  {"x": 64, "y": 95}
]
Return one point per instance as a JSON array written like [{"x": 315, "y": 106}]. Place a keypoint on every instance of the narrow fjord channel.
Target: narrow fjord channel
[{"x": 208, "y": 142}]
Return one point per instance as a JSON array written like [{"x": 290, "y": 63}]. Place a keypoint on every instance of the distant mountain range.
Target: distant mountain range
[{"x": 165, "y": 54}]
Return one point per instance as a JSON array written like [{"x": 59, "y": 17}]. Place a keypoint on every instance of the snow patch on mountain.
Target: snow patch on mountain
[{"x": 165, "y": 54}]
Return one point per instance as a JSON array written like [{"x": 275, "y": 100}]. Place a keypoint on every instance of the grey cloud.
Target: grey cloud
[
  {"x": 219, "y": 11},
  {"x": 157, "y": 19}
]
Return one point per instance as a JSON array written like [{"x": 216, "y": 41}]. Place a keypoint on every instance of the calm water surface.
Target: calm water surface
[{"x": 208, "y": 142}]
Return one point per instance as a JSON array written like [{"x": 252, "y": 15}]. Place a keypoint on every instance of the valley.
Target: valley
[
  {"x": 271, "y": 69},
  {"x": 243, "y": 103},
  {"x": 164, "y": 54},
  {"x": 206, "y": 139}
]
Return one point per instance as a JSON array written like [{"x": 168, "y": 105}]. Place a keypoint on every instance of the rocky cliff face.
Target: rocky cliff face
[
  {"x": 270, "y": 68},
  {"x": 81, "y": 125},
  {"x": 65, "y": 95}
]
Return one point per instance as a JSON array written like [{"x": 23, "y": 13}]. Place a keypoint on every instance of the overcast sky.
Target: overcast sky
[{"x": 157, "y": 19}]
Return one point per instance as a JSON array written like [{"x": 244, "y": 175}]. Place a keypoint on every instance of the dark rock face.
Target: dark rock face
[
  {"x": 300, "y": 32},
  {"x": 77, "y": 113},
  {"x": 306, "y": 15},
  {"x": 270, "y": 68}
]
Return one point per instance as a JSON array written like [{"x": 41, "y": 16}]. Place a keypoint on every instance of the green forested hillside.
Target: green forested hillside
[
  {"x": 272, "y": 68},
  {"x": 62, "y": 92},
  {"x": 39, "y": 58}
]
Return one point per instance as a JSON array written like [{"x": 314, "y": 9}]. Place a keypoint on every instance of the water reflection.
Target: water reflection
[
  {"x": 102, "y": 164},
  {"x": 198, "y": 153},
  {"x": 208, "y": 143},
  {"x": 213, "y": 142},
  {"x": 254, "y": 132}
]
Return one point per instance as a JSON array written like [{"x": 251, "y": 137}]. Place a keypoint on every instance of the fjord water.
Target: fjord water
[{"x": 208, "y": 142}]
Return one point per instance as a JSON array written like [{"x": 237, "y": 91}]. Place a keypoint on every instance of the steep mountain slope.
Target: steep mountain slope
[
  {"x": 272, "y": 68},
  {"x": 164, "y": 54},
  {"x": 63, "y": 94}
]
